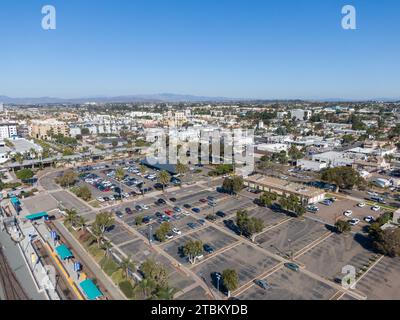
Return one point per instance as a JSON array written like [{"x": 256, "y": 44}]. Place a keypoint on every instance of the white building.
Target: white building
[
  {"x": 300, "y": 114},
  {"x": 310, "y": 165},
  {"x": 8, "y": 130},
  {"x": 333, "y": 159}
]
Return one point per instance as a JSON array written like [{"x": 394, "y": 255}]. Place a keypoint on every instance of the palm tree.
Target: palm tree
[
  {"x": 145, "y": 286},
  {"x": 106, "y": 246},
  {"x": 126, "y": 264},
  {"x": 19, "y": 157},
  {"x": 142, "y": 169},
  {"x": 81, "y": 222},
  {"x": 71, "y": 218},
  {"x": 164, "y": 178},
  {"x": 119, "y": 175}
]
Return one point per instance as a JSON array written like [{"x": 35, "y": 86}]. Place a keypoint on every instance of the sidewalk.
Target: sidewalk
[{"x": 88, "y": 261}]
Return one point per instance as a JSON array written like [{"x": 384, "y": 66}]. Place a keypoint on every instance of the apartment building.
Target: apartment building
[
  {"x": 43, "y": 129},
  {"x": 8, "y": 130}
]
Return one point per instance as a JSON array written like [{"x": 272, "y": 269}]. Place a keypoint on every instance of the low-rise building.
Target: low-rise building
[{"x": 306, "y": 194}]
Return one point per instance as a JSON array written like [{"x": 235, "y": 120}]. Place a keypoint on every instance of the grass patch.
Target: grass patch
[
  {"x": 94, "y": 203},
  {"x": 127, "y": 288},
  {"x": 109, "y": 266},
  {"x": 118, "y": 276},
  {"x": 97, "y": 253}
]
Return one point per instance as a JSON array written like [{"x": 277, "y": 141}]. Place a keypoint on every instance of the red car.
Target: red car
[
  {"x": 168, "y": 212},
  {"x": 203, "y": 200}
]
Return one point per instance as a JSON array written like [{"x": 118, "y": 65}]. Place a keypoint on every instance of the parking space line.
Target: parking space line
[
  {"x": 216, "y": 253},
  {"x": 313, "y": 244},
  {"x": 264, "y": 275}
]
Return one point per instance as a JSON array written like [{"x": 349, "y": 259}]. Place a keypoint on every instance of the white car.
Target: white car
[
  {"x": 354, "y": 221},
  {"x": 375, "y": 208},
  {"x": 169, "y": 236},
  {"x": 100, "y": 199},
  {"x": 369, "y": 219},
  {"x": 372, "y": 193},
  {"x": 361, "y": 205},
  {"x": 348, "y": 213},
  {"x": 145, "y": 207},
  {"x": 176, "y": 231}
]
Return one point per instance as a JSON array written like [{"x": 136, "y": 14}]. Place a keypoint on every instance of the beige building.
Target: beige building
[
  {"x": 42, "y": 129},
  {"x": 306, "y": 194}
]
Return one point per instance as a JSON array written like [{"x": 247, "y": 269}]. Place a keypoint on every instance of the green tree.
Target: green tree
[
  {"x": 230, "y": 280},
  {"x": 103, "y": 221},
  {"x": 267, "y": 198},
  {"x": 119, "y": 176},
  {"x": 18, "y": 157},
  {"x": 192, "y": 249},
  {"x": 233, "y": 184},
  {"x": 343, "y": 177},
  {"x": 84, "y": 193},
  {"x": 162, "y": 231},
  {"x": 127, "y": 264},
  {"x": 138, "y": 220},
  {"x": 294, "y": 153},
  {"x": 24, "y": 174},
  {"x": 181, "y": 168},
  {"x": 71, "y": 217},
  {"x": 142, "y": 169},
  {"x": 155, "y": 272},
  {"x": 342, "y": 226},
  {"x": 67, "y": 179},
  {"x": 388, "y": 242}
]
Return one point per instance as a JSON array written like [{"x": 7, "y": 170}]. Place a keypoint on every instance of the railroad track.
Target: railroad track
[{"x": 9, "y": 282}]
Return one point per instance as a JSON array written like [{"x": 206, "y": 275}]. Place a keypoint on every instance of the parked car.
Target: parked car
[
  {"x": 375, "y": 208},
  {"x": 172, "y": 199},
  {"x": 128, "y": 210},
  {"x": 207, "y": 248},
  {"x": 361, "y": 205},
  {"x": 197, "y": 210},
  {"x": 202, "y": 221},
  {"x": 220, "y": 214},
  {"x": 292, "y": 266},
  {"x": 262, "y": 284},
  {"x": 119, "y": 214},
  {"x": 158, "y": 214},
  {"x": 176, "y": 231},
  {"x": 169, "y": 236},
  {"x": 369, "y": 219},
  {"x": 138, "y": 208},
  {"x": 147, "y": 219},
  {"x": 168, "y": 212},
  {"x": 348, "y": 213},
  {"x": 203, "y": 200},
  {"x": 192, "y": 225},
  {"x": 354, "y": 221},
  {"x": 161, "y": 201},
  {"x": 187, "y": 206},
  {"x": 177, "y": 209}
]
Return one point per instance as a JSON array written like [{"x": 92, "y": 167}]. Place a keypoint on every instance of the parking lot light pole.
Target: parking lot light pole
[{"x": 150, "y": 234}]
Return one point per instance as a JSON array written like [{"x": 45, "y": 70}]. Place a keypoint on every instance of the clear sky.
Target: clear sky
[{"x": 232, "y": 48}]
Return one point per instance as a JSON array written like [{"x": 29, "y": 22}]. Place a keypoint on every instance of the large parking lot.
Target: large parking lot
[
  {"x": 288, "y": 285},
  {"x": 245, "y": 259},
  {"x": 312, "y": 244}
]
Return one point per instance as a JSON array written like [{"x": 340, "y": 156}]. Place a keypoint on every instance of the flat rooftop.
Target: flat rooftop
[{"x": 291, "y": 187}]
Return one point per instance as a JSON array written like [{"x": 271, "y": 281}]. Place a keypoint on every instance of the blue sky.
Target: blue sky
[{"x": 232, "y": 48}]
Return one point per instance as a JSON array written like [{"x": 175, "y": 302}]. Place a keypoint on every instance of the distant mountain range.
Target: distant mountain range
[{"x": 162, "y": 97}]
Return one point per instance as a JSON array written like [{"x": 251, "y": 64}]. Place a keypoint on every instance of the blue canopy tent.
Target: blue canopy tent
[
  {"x": 37, "y": 216},
  {"x": 63, "y": 252},
  {"x": 90, "y": 289}
]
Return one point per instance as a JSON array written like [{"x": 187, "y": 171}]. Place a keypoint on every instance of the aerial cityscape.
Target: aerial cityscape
[{"x": 268, "y": 172}]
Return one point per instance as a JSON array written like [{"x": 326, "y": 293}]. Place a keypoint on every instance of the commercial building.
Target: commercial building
[{"x": 306, "y": 194}]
